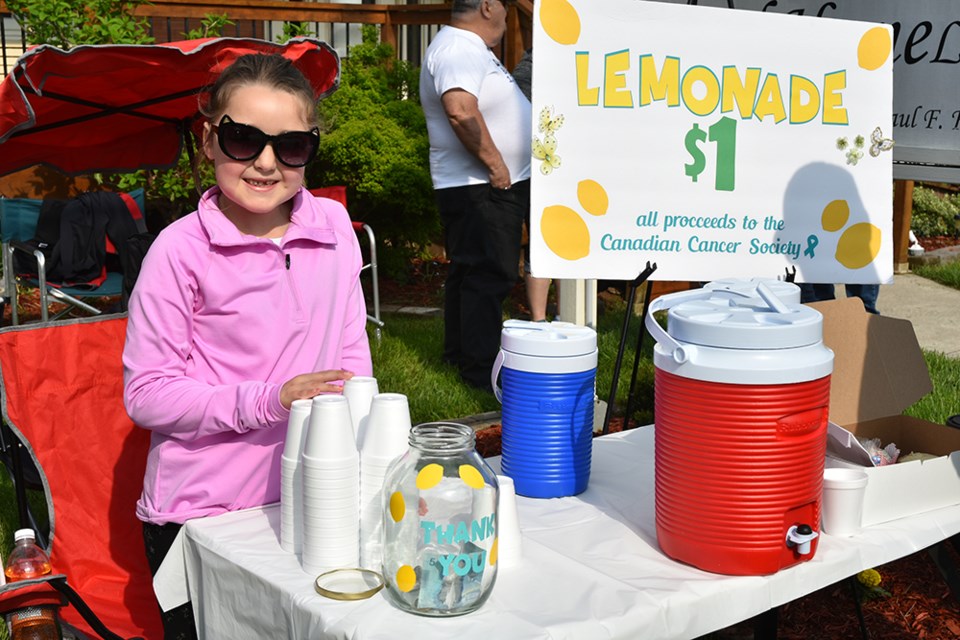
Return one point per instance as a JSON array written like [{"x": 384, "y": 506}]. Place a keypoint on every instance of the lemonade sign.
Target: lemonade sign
[{"x": 713, "y": 143}]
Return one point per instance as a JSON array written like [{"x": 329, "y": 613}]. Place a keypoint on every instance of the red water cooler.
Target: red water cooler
[{"x": 742, "y": 391}]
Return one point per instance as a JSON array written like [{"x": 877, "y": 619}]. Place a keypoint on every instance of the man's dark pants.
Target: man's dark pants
[{"x": 482, "y": 232}]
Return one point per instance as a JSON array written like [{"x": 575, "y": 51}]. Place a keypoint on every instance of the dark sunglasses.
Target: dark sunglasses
[{"x": 243, "y": 142}]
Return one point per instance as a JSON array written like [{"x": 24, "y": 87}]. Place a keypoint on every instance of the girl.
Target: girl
[{"x": 242, "y": 307}]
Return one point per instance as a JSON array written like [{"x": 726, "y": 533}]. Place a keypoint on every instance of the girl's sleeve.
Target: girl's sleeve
[{"x": 157, "y": 393}]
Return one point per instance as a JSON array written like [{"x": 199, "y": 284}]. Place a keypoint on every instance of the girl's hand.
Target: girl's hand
[{"x": 308, "y": 385}]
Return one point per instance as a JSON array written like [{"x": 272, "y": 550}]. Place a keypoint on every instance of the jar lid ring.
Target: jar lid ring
[{"x": 352, "y": 577}]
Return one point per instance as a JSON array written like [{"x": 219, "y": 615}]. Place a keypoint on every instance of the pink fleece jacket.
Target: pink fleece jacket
[{"x": 218, "y": 322}]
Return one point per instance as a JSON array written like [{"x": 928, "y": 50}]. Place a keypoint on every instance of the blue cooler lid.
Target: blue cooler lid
[{"x": 547, "y": 339}]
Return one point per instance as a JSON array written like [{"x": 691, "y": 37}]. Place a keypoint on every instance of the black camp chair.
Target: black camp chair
[{"x": 25, "y": 262}]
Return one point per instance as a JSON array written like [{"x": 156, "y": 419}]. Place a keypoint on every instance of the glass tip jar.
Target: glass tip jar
[{"x": 440, "y": 523}]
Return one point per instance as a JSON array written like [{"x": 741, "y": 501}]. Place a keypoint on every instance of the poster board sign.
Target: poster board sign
[
  {"x": 713, "y": 143},
  {"x": 926, "y": 55}
]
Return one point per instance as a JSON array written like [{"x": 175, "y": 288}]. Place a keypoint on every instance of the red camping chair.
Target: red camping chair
[
  {"x": 339, "y": 193},
  {"x": 61, "y": 387}
]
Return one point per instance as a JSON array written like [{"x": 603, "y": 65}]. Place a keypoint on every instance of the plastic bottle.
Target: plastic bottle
[{"x": 26, "y": 561}]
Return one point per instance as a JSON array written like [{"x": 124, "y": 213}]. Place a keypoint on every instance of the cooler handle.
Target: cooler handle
[
  {"x": 678, "y": 352},
  {"x": 682, "y": 353},
  {"x": 494, "y": 374},
  {"x": 498, "y": 363}
]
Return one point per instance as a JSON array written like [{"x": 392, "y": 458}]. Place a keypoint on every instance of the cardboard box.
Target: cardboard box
[{"x": 878, "y": 372}]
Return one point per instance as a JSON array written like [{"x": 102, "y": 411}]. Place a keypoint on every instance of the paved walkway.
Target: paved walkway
[{"x": 933, "y": 309}]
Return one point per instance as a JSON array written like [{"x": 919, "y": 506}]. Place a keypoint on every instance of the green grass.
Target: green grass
[
  {"x": 947, "y": 273},
  {"x": 944, "y": 401},
  {"x": 408, "y": 361}
]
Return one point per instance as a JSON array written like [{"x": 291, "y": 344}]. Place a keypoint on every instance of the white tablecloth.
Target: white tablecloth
[{"x": 591, "y": 569}]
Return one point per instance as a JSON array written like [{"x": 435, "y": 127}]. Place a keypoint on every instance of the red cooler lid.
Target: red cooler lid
[
  {"x": 786, "y": 291},
  {"x": 728, "y": 323},
  {"x": 739, "y": 336},
  {"x": 721, "y": 322}
]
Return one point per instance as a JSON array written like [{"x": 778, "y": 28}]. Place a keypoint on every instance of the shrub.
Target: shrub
[
  {"x": 374, "y": 141},
  {"x": 932, "y": 212},
  {"x": 64, "y": 23}
]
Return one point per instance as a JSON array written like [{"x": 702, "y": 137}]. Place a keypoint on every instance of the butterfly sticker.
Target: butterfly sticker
[
  {"x": 549, "y": 123},
  {"x": 546, "y": 151},
  {"x": 879, "y": 143}
]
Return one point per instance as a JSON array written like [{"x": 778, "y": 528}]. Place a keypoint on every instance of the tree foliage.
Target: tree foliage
[
  {"x": 66, "y": 23},
  {"x": 933, "y": 212},
  {"x": 374, "y": 141}
]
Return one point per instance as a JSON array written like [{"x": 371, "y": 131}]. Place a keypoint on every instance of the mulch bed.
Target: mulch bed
[
  {"x": 931, "y": 243},
  {"x": 920, "y": 605}
]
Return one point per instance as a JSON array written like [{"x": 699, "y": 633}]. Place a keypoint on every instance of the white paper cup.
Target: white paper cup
[
  {"x": 297, "y": 426},
  {"x": 317, "y": 561},
  {"x": 326, "y": 500},
  {"x": 371, "y": 513},
  {"x": 331, "y": 467},
  {"x": 842, "y": 509},
  {"x": 330, "y": 433},
  {"x": 376, "y": 465},
  {"x": 387, "y": 432},
  {"x": 331, "y": 528},
  {"x": 291, "y": 474},
  {"x": 347, "y": 471},
  {"x": 509, "y": 540},
  {"x": 330, "y": 543},
  {"x": 359, "y": 392}
]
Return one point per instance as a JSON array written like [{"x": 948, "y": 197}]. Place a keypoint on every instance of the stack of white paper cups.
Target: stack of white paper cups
[
  {"x": 385, "y": 439},
  {"x": 359, "y": 392},
  {"x": 291, "y": 478},
  {"x": 331, "y": 493}
]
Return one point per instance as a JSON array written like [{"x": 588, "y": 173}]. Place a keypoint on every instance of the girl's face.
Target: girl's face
[{"x": 261, "y": 187}]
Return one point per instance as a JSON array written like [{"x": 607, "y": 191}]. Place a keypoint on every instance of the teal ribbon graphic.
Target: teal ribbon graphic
[{"x": 812, "y": 242}]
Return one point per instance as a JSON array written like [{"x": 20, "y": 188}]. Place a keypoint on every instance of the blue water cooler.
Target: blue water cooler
[{"x": 547, "y": 374}]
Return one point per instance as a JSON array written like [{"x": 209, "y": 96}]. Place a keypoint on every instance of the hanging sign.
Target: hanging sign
[{"x": 713, "y": 143}]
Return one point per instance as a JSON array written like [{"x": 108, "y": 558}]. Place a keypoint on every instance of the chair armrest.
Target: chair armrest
[{"x": 38, "y": 256}]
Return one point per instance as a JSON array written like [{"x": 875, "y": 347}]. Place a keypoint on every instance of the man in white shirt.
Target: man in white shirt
[{"x": 479, "y": 123}]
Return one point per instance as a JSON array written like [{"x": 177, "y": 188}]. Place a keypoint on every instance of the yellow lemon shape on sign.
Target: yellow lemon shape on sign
[
  {"x": 471, "y": 477},
  {"x": 858, "y": 246},
  {"x": 397, "y": 506},
  {"x": 493, "y": 551},
  {"x": 874, "y": 48},
  {"x": 429, "y": 477},
  {"x": 835, "y": 215},
  {"x": 565, "y": 232},
  {"x": 560, "y": 20},
  {"x": 593, "y": 197},
  {"x": 406, "y": 578}
]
